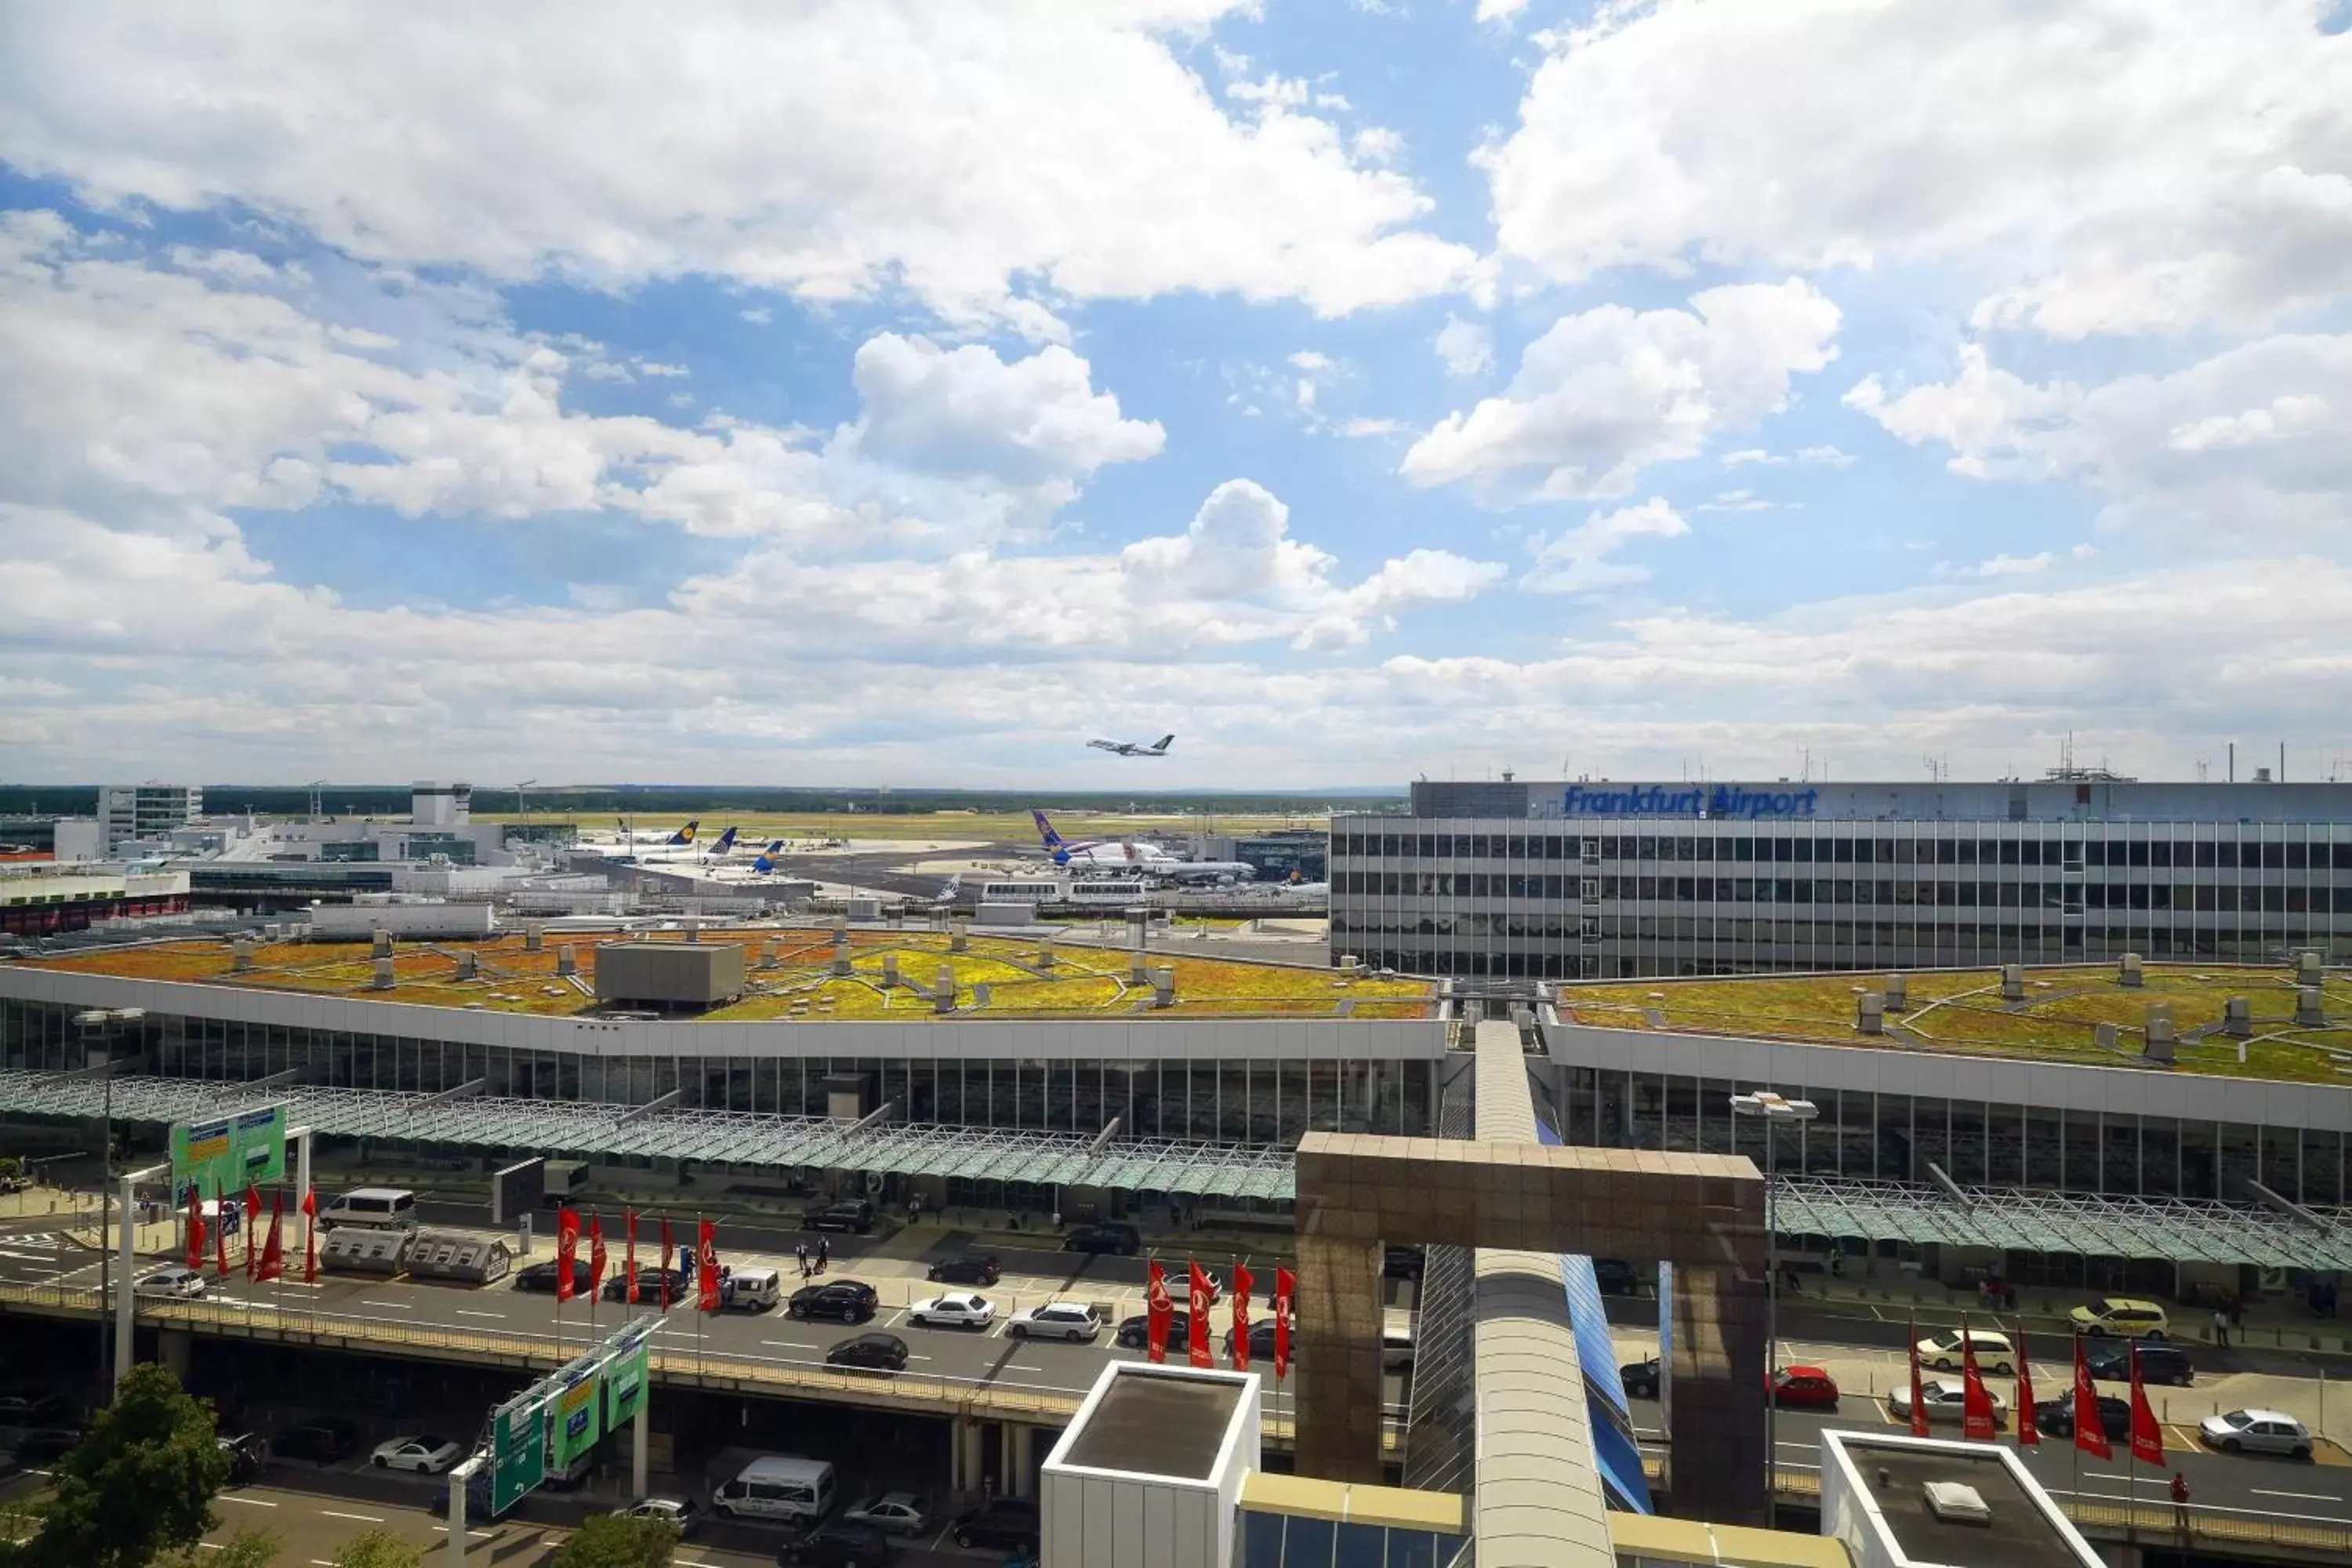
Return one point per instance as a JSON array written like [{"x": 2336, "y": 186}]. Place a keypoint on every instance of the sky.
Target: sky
[{"x": 896, "y": 393}]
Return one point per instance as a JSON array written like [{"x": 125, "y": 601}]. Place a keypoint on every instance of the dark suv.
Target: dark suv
[
  {"x": 967, "y": 1268},
  {"x": 1002, "y": 1524},
  {"x": 849, "y": 1213},
  {"x": 1104, "y": 1235},
  {"x": 2110, "y": 1362},
  {"x": 843, "y": 1300},
  {"x": 544, "y": 1276}
]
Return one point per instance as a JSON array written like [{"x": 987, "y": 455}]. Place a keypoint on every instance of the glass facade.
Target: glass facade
[
  {"x": 1894, "y": 1137},
  {"x": 1251, "y": 1100},
  {"x": 1557, "y": 900}
]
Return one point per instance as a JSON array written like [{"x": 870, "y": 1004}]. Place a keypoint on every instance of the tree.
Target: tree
[
  {"x": 141, "y": 1484},
  {"x": 615, "y": 1540},
  {"x": 248, "y": 1548},
  {"x": 379, "y": 1549}
]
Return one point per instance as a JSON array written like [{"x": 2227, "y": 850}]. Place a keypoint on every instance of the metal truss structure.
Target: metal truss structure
[{"x": 731, "y": 1137}]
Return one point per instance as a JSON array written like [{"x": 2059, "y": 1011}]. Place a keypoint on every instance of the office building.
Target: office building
[
  {"x": 1573, "y": 880},
  {"x": 147, "y": 812}
]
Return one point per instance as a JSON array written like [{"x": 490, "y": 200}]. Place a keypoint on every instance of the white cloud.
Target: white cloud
[
  {"x": 1605, "y": 394},
  {"x": 1742, "y": 500},
  {"x": 1581, "y": 560},
  {"x": 2144, "y": 164},
  {"x": 1377, "y": 144},
  {"x": 1748, "y": 455},
  {"x": 2002, "y": 565},
  {"x": 1500, "y": 10},
  {"x": 1468, "y": 347},
  {"x": 1069, "y": 147},
  {"x": 2245, "y": 445},
  {"x": 1309, "y": 358},
  {"x": 1829, "y": 456},
  {"x": 758, "y": 315},
  {"x": 1363, "y": 427}
]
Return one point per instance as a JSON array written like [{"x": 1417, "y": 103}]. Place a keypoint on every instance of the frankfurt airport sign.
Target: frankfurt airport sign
[{"x": 1735, "y": 801}]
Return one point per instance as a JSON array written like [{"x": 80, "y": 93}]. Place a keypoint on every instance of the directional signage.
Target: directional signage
[
  {"x": 577, "y": 1425},
  {"x": 518, "y": 1452},
  {"x": 624, "y": 1384},
  {"x": 229, "y": 1154}
]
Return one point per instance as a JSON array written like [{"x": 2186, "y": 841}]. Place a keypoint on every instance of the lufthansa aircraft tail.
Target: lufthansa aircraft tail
[
  {"x": 686, "y": 835},
  {"x": 766, "y": 860}
]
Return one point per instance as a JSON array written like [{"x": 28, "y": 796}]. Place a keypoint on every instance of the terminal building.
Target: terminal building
[{"x": 1576, "y": 880}]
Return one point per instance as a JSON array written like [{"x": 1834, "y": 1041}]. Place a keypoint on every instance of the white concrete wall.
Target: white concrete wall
[{"x": 402, "y": 919}]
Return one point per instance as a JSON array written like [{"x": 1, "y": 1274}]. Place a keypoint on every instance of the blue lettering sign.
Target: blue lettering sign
[{"x": 1734, "y": 801}]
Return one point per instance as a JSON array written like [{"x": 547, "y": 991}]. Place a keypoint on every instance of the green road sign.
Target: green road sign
[
  {"x": 518, "y": 1453},
  {"x": 576, "y": 1424},
  {"x": 625, "y": 1386},
  {"x": 228, "y": 1153}
]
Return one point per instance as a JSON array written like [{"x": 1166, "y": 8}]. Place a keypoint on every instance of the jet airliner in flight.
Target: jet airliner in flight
[{"x": 1130, "y": 749}]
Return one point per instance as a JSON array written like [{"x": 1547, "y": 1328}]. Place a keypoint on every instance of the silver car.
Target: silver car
[
  {"x": 2257, "y": 1432},
  {"x": 171, "y": 1284}
]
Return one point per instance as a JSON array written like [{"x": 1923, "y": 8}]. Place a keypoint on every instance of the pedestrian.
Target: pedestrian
[
  {"x": 2221, "y": 1327},
  {"x": 2180, "y": 1502},
  {"x": 800, "y": 1255},
  {"x": 2008, "y": 1297},
  {"x": 824, "y": 1253},
  {"x": 1057, "y": 1222}
]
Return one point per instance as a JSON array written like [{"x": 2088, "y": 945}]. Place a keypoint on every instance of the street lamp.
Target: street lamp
[
  {"x": 1772, "y": 1110},
  {"x": 98, "y": 1027}
]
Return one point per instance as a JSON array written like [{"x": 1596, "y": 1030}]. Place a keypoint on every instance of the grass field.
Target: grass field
[
  {"x": 994, "y": 826},
  {"x": 797, "y": 985},
  {"x": 1963, "y": 1011}
]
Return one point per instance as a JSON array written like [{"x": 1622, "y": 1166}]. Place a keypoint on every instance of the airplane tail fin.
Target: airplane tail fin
[
  {"x": 1165, "y": 742},
  {"x": 1051, "y": 839},
  {"x": 726, "y": 842},
  {"x": 686, "y": 835},
  {"x": 766, "y": 860}
]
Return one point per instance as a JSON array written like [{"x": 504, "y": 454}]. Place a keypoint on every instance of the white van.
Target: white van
[
  {"x": 753, "y": 1289},
  {"x": 775, "y": 1488},
  {"x": 383, "y": 1207}
]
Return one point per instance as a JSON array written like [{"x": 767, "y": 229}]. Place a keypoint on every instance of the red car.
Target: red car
[{"x": 1805, "y": 1387}]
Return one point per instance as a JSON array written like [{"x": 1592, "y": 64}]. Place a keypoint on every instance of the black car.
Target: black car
[
  {"x": 31, "y": 1410},
  {"x": 1136, "y": 1333},
  {"x": 649, "y": 1285},
  {"x": 248, "y": 1456},
  {"x": 885, "y": 1352},
  {"x": 1616, "y": 1277},
  {"x": 1401, "y": 1262},
  {"x": 542, "y": 1277},
  {"x": 2056, "y": 1416},
  {"x": 1105, "y": 1236},
  {"x": 849, "y": 1213},
  {"x": 1261, "y": 1340},
  {"x": 2110, "y": 1362},
  {"x": 1639, "y": 1378},
  {"x": 843, "y": 1300},
  {"x": 43, "y": 1444},
  {"x": 1002, "y": 1524},
  {"x": 967, "y": 1268},
  {"x": 836, "y": 1546},
  {"x": 323, "y": 1442}
]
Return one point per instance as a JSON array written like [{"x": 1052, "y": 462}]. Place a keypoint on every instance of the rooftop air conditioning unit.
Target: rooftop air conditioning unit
[{"x": 1956, "y": 1502}]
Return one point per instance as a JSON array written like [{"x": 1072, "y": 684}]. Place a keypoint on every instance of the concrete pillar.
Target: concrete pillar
[
  {"x": 458, "y": 1478},
  {"x": 640, "y": 1440},
  {"x": 125, "y": 1324},
  {"x": 1025, "y": 1460},
  {"x": 970, "y": 1454},
  {"x": 302, "y": 1139},
  {"x": 172, "y": 1348}
]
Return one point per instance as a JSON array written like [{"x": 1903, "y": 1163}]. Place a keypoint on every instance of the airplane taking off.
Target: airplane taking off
[
  {"x": 766, "y": 860},
  {"x": 1130, "y": 749},
  {"x": 1132, "y": 857}
]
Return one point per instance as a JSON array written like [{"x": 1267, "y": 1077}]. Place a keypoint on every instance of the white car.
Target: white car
[
  {"x": 671, "y": 1511},
  {"x": 1072, "y": 1321},
  {"x": 428, "y": 1456},
  {"x": 894, "y": 1514},
  {"x": 1946, "y": 1400},
  {"x": 1942, "y": 1351},
  {"x": 169, "y": 1284},
  {"x": 2257, "y": 1432},
  {"x": 957, "y": 1310}
]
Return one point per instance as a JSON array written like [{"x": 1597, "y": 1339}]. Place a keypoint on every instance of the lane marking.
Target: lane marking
[
  {"x": 247, "y": 1501},
  {"x": 398, "y": 1306},
  {"x": 793, "y": 1344},
  {"x": 362, "y": 1517},
  {"x": 2306, "y": 1497},
  {"x": 465, "y": 1312}
]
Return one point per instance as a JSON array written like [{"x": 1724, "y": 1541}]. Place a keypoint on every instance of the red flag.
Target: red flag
[
  {"x": 1285, "y": 1287},
  {"x": 310, "y": 1236},
  {"x": 195, "y": 1228},
  {"x": 666, "y": 1262},
  {"x": 2147, "y": 1434},
  {"x": 1919, "y": 1392},
  {"x": 2029, "y": 1425},
  {"x": 706, "y": 1267},
  {"x": 220, "y": 1238},
  {"x": 567, "y": 1251},
  {"x": 1242, "y": 1283},
  {"x": 273, "y": 1261},
  {"x": 252, "y": 1218},
  {"x": 2089, "y": 1436},
  {"x": 1975, "y": 1406},
  {"x": 1198, "y": 1301},
  {"x": 596, "y": 1253},
  {"x": 1158, "y": 1312},
  {"x": 630, "y": 1259}
]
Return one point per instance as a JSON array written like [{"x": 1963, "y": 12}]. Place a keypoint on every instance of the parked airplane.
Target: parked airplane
[
  {"x": 1132, "y": 858},
  {"x": 1130, "y": 749},
  {"x": 726, "y": 843},
  {"x": 685, "y": 835},
  {"x": 766, "y": 860}
]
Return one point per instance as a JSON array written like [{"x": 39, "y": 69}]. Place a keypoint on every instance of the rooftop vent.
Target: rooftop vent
[{"x": 1955, "y": 1502}]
